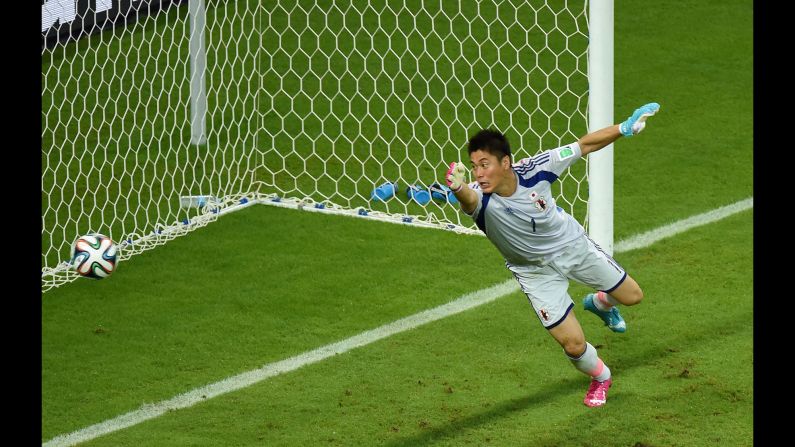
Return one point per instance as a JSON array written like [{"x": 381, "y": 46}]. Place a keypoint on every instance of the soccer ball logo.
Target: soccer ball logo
[{"x": 94, "y": 256}]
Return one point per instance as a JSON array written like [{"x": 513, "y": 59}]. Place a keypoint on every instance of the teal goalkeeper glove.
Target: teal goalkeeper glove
[
  {"x": 456, "y": 176},
  {"x": 635, "y": 123}
]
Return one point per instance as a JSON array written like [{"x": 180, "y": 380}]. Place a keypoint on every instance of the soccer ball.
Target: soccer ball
[{"x": 94, "y": 256}]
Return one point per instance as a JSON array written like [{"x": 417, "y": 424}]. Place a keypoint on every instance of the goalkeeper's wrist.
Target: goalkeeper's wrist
[
  {"x": 625, "y": 128},
  {"x": 457, "y": 190}
]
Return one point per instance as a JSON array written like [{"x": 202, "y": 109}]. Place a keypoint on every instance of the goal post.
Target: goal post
[
  {"x": 600, "y": 115},
  {"x": 161, "y": 122}
]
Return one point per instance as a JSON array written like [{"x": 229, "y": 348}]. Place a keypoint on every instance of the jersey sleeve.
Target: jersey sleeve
[
  {"x": 562, "y": 157},
  {"x": 554, "y": 160},
  {"x": 474, "y": 186}
]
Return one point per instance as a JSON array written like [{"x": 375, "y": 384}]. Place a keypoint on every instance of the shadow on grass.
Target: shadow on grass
[
  {"x": 496, "y": 412},
  {"x": 551, "y": 392}
]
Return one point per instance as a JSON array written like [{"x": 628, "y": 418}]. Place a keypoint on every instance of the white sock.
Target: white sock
[
  {"x": 604, "y": 301},
  {"x": 590, "y": 363}
]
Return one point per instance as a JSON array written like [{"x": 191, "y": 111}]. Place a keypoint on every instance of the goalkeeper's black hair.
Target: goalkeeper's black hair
[{"x": 490, "y": 141}]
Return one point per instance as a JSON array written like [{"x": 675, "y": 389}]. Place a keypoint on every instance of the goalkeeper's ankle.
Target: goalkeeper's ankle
[{"x": 603, "y": 301}]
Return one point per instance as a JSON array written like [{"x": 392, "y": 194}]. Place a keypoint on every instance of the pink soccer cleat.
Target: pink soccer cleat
[{"x": 597, "y": 393}]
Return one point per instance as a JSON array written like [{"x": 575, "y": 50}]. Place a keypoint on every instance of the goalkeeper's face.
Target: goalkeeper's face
[{"x": 491, "y": 173}]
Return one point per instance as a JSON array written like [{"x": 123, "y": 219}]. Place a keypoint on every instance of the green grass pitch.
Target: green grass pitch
[{"x": 264, "y": 284}]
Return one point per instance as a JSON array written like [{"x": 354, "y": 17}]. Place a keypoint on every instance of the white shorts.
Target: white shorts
[{"x": 546, "y": 286}]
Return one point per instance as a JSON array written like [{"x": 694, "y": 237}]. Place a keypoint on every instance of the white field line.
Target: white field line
[
  {"x": 465, "y": 302},
  {"x": 650, "y": 237}
]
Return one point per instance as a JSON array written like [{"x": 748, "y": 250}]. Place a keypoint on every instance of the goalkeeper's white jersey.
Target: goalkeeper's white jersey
[{"x": 528, "y": 227}]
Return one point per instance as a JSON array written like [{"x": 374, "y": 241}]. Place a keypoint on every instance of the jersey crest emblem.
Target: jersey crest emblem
[
  {"x": 540, "y": 204},
  {"x": 538, "y": 201}
]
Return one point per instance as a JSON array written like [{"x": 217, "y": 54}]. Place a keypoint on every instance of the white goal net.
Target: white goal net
[{"x": 298, "y": 103}]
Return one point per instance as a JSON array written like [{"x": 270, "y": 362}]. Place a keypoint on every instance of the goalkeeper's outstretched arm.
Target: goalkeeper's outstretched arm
[
  {"x": 631, "y": 126},
  {"x": 456, "y": 180}
]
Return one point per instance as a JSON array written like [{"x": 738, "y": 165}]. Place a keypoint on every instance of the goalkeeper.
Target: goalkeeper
[{"x": 544, "y": 246}]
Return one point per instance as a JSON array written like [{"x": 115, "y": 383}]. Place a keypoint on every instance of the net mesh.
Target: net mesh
[{"x": 307, "y": 102}]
